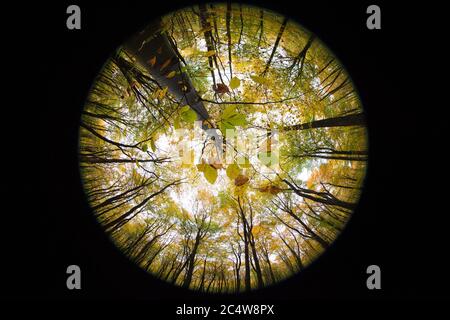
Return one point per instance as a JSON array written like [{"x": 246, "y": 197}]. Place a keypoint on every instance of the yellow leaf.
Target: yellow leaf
[
  {"x": 152, "y": 145},
  {"x": 201, "y": 167},
  {"x": 210, "y": 53},
  {"x": 233, "y": 171},
  {"x": 234, "y": 83},
  {"x": 260, "y": 80},
  {"x": 210, "y": 173},
  {"x": 256, "y": 230},
  {"x": 176, "y": 123},
  {"x": 162, "y": 93},
  {"x": 171, "y": 74}
]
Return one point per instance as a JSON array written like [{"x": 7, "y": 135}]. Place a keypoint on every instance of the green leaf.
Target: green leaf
[
  {"x": 323, "y": 223},
  {"x": 171, "y": 74},
  {"x": 152, "y": 145},
  {"x": 229, "y": 111},
  {"x": 210, "y": 174},
  {"x": 260, "y": 80},
  {"x": 234, "y": 83},
  {"x": 176, "y": 123},
  {"x": 233, "y": 171},
  {"x": 268, "y": 158},
  {"x": 189, "y": 115},
  {"x": 224, "y": 125},
  {"x": 144, "y": 147},
  {"x": 237, "y": 120},
  {"x": 185, "y": 108}
]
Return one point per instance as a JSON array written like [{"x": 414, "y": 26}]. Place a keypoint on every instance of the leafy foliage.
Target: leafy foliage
[{"x": 262, "y": 193}]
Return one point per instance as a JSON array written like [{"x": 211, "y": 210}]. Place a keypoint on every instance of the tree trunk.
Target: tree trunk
[
  {"x": 277, "y": 41},
  {"x": 191, "y": 263},
  {"x": 349, "y": 120},
  {"x": 228, "y": 19},
  {"x": 322, "y": 197},
  {"x": 167, "y": 60}
]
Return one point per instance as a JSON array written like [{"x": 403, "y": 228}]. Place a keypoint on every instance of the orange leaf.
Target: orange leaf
[
  {"x": 240, "y": 180},
  {"x": 152, "y": 61}
]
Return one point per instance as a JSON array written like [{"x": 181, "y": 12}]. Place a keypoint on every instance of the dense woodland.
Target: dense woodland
[{"x": 277, "y": 166}]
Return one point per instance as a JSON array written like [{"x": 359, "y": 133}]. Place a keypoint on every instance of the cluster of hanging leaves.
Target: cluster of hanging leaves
[{"x": 276, "y": 203}]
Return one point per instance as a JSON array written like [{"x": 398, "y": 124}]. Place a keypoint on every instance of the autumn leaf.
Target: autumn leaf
[
  {"x": 210, "y": 174},
  {"x": 210, "y": 53},
  {"x": 201, "y": 167},
  {"x": 152, "y": 145},
  {"x": 240, "y": 180},
  {"x": 233, "y": 171},
  {"x": 269, "y": 188},
  {"x": 161, "y": 93},
  {"x": 176, "y": 123},
  {"x": 234, "y": 83},
  {"x": 221, "y": 88},
  {"x": 259, "y": 80},
  {"x": 256, "y": 230},
  {"x": 171, "y": 74},
  {"x": 152, "y": 61}
]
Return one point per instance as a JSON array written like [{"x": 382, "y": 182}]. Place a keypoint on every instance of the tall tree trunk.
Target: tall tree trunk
[
  {"x": 191, "y": 263},
  {"x": 298, "y": 260},
  {"x": 208, "y": 37},
  {"x": 322, "y": 197},
  {"x": 228, "y": 19},
  {"x": 259, "y": 277},
  {"x": 202, "y": 280},
  {"x": 167, "y": 60},
  {"x": 277, "y": 41},
  {"x": 247, "y": 262},
  {"x": 343, "y": 121},
  {"x": 122, "y": 219}
]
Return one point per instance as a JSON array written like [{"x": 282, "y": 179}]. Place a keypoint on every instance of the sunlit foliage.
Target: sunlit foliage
[{"x": 223, "y": 213}]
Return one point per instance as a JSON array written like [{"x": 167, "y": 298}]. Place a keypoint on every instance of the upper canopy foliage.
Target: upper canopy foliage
[{"x": 224, "y": 148}]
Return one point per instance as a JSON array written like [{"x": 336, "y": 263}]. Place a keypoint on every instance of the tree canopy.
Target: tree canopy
[{"x": 223, "y": 148}]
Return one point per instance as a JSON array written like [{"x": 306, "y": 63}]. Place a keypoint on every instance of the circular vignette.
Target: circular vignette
[{"x": 223, "y": 148}]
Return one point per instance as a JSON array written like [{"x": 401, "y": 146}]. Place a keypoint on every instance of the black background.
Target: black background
[{"x": 400, "y": 223}]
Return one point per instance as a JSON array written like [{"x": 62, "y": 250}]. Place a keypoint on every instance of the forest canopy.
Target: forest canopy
[{"x": 223, "y": 148}]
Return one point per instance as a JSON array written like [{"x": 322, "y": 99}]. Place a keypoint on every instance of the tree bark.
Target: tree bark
[
  {"x": 343, "y": 121},
  {"x": 277, "y": 41}
]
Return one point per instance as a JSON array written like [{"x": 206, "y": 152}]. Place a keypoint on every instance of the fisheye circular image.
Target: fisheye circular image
[{"x": 223, "y": 148}]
